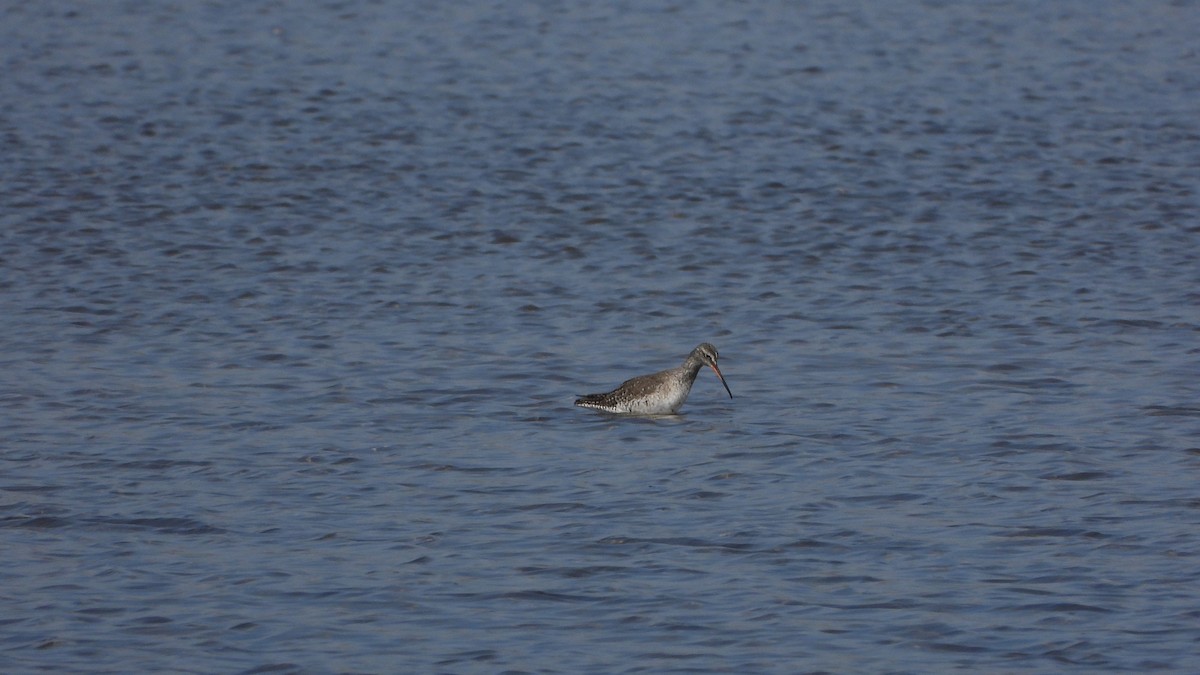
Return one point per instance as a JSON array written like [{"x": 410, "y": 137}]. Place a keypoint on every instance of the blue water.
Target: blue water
[{"x": 297, "y": 296}]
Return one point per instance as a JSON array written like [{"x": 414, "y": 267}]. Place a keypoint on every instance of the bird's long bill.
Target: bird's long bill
[{"x": 718, "y": 372}]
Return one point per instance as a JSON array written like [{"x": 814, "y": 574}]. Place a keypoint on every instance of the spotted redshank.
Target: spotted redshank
[{"x": 660, "y": 393}]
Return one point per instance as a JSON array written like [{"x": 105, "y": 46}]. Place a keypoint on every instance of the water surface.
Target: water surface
[{"x": 297, "y": 297}]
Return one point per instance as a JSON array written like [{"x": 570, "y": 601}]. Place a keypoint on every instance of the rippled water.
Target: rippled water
[{"x": 297, "y": 297}]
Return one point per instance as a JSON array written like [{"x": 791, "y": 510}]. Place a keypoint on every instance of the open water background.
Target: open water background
[{"x": 296, "y": 298}]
